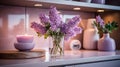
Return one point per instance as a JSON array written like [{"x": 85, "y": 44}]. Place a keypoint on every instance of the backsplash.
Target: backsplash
[{"x": 16, "y": 20}]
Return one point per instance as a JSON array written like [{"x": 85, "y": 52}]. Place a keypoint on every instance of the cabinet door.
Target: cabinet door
[{"x": 115, "y": 63}]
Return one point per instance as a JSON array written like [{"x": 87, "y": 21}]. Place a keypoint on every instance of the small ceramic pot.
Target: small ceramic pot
[{"x": 24, "y": 46}]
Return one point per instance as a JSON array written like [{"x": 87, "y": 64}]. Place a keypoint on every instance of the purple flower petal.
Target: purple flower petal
[
  {"x": 44, "y": 19},
  {"x": 54, "y": 17},
  {"x": 38, "y": 28},
  {"x": 100, "y": 20},
  {"x": 74, "y": 21},
  {"x": 77, "y": 30}
]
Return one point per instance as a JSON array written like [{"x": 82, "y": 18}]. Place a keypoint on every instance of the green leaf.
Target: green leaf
[
  {"x": 38, "y": 34},
  {"x": 111, "y": 26},
  {"x": 47, "y": 26},
  {"x": 46, "y": 35}
]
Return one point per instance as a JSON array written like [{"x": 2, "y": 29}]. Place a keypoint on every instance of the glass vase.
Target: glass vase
[{"x": 56, "y": 47}]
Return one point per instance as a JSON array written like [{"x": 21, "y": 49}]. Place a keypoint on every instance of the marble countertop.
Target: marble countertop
[{"x": 70, "y": 57}]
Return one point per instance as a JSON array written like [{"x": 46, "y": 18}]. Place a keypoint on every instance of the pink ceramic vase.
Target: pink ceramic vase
[
  {"x": 106, "y": 43},
  {"x": 91, "y": 36}
]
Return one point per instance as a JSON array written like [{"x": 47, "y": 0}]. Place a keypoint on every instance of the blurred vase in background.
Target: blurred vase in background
[{"x": 91, "y": 36}]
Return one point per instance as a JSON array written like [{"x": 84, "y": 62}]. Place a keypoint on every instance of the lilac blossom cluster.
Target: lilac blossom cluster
[
  {"x": 38, "y": 28},
  {"x": 105, "y": 27},
  {"x": 70, "y": 28},
  {"x": 54, "y": 23},
  {"x": 100, "y": 20}
]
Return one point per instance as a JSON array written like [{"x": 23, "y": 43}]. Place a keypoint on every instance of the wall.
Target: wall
[{"x": 13, "y": 22}]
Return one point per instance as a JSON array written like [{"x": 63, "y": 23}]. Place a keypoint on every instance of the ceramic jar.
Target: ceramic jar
[
  {"x": 106, "y": 43},
  {"x": 91, "y": 36}
]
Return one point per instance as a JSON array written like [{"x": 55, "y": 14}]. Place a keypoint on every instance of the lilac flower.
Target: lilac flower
[
  {"x": 44, "y": 19},
  {"x": 54, "y": 23},
  {"x": 64, "y": 28},
  {"x": 54, "y": 28},
  {"x": 70, "y": 24},
  {"x": 72, "y": 32},
  {"x": 55, "y": 19},
  {"x": 69, "y": 34},
  {"x": 70, "y": 29},
  {"x": 74, "y": 21},
  {"x": 100, "y": 20},
  {"x": 38, "y": 28},
  {"x": 77, "y": 30}
]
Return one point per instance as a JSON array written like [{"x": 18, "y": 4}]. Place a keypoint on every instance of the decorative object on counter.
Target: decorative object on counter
[
  {"x": 90, "y": 37},
  {"x": 75, "y": 45},
  {"x": 24, "y": 42},
  {"x": 87, "y": 1},
  {"x": 21, "y": 55},
  {"x": 24, "y": 38},
  {"x": 105, "y": 43},
  {"x": 98, "y": 1},
  {"x": 56, "y": 29}
]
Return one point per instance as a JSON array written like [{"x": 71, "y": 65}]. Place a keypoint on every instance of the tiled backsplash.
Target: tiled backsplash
[{"x": 14, "y": 21}]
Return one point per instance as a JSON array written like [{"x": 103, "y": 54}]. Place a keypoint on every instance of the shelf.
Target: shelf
[
  {"x": 69, "y": 58},
  {"x": 62, "y": 5}
]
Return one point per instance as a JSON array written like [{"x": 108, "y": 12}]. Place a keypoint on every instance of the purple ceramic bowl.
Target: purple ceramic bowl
[
  {"x": 24, "y": 38},
  {"x": 24, "y": 46}
]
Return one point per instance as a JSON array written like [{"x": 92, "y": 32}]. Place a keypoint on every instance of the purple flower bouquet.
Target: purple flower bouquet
[
  {"x": 105, "y": 27},
  {"x": 53, "y": 26}
]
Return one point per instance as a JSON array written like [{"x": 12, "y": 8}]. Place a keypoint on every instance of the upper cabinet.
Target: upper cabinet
[{"x": 61, "y": 4}]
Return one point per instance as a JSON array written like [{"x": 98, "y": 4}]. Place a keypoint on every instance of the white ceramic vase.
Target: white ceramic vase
[
  {"x": 91, "y": 36},
  {"x": 106, "y": 43}
]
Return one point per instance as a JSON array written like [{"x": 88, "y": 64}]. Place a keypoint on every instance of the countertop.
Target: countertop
[{"x": 69, "y": 58}]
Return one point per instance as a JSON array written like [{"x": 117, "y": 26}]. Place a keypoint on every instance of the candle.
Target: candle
[
  {"x": 24, "y": 42},
  {"x": 24, "y": 38}
]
